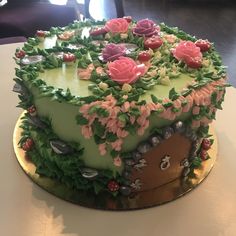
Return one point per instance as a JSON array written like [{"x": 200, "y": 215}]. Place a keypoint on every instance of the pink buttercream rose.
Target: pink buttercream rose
[
  {"x": 146, "y": 28},
  {"x": 189, "y": 53},
  {"x": 113, "y": 51},
  {"x": 117, "y": 25},
  {"x": 125, "y": 70}
]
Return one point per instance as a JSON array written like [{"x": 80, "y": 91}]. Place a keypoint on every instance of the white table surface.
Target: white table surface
[{"x": 28, "y": 210}]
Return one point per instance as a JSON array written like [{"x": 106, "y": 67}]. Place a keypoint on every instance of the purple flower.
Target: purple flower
[
  {"x": 146, "y": 28},
  {"x": 113, "y": 51}
]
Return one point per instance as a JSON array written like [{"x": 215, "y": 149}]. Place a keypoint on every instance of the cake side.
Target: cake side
[{"x": 116, "y": 105}]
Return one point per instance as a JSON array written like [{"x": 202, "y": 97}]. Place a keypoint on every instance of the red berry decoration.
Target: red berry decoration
[
  {"x": 28, "y": 144},
  {"x": 144, "y": 56},
  {"x": 69, "y": 57},
  {"x": 97, "y": 31},
  {"x": 206, "y": 144},
  {"x": 128, "y": 18},
  {"x": 153, "y": 42},
  {"x": 113, "y": 186},
  {"x": 32, "y": 110},
  {"x": 20, "y": 54},
  {"x": 204, "y": 155},
  {"x": 204, "y": 45},
  {"x": 40, "y": 33}
]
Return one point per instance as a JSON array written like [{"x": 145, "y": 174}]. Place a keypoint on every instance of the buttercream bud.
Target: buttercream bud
[
  {"x": 123, "y": 36},
  {"x": 107, "y": 36},
  {"x": 103, "y": 86},
  {"x": 126, "y": 87}
]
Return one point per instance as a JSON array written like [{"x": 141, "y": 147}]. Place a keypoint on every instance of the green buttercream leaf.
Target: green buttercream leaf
[
  {"x": 133, "y": 98},
  {"x": 187, "y": 92},
  {"x": 114, "y": 153},
  {"x": 214, "y": 97},
  {"x": 173, "y": 95},
  {"x": 110, "y": 137},
  {"x": 81, "y": 120},
  {"x": 167, "y": 104},
  {"x": 98, "y": 128},
  {"x": 196, "y": 163},
  {"x": 132, "y": 129},
  {"x": 102, "y": 112},
  {"x": 134, "y": 111},
  {"x": 123, "y": 118},
  {"x": 154, "y": 98},
  {"x": 98, "y": 187},
  {"x": 98, "y": 139}
]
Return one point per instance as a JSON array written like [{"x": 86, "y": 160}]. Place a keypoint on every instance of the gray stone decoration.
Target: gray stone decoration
[
  {"x": 168, "y": 132},
  {"x": 58, "y": 55},
  {"x": 184, "y": 163},
  {"x": 130, "y": 47},
  {"x": 60, "y": 147},
  {"x": 21, "y": 89},
  {"x": 27, "y": 60},
  {"x": 35, "y": 121},
  {"x": 125, "y": 190},
  {"x": 155, "y": 140},
  {"x": 144, "y": 147},
  {"x": 88, "y": 173},
  {"x": 75, "y": 46},
  {"x": 165, "y": 162},
  {"x": 179, "y": 127}
]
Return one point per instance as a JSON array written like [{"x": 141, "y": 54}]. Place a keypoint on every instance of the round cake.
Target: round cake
[{"x": 118, "y": 107}]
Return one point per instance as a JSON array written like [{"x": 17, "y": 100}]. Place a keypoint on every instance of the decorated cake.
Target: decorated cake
[{"x": 118, "y": 107}]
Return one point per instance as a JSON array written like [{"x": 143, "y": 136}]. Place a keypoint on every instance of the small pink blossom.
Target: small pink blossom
[
  {"x": 205, "y": 121},
  {"x": 85, "y": 74},
  {"x": 196, "y": 123},
  {"x": 125, "y": 107},
  {"x": 122, "y": 133},
  {"x": 87, "y": 131},
  {"x": 117, "y": 161},
  {"x": 102, "y": 149},
  {"x": 196, "y": 110},
  {"x": 132, "y": 119},
  {"x": 117, "y": 144}
]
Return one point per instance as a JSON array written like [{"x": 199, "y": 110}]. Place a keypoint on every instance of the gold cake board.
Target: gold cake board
[{"x": 154, "y": 197}]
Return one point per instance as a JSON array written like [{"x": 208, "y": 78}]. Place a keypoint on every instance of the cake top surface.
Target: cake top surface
[{"x": 141, "y": 61}]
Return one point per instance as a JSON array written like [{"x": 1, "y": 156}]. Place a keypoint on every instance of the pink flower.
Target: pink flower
[
  {"x": 117, "y": 161},
  {"x": 117, "y": 25},
  {"x": 189, "y": 53},
  {"x": 113, "y": 51},
  {"x": 102, "y": 149},
  {"x": 196, "y": 110},
  {"x": 146, "y": 28},
  {"x": 87, "y": 131},
  {"x": 85, "y": 74},
  {"x": 125, "y": 70},
  {"x": 117, "y": 144}
]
